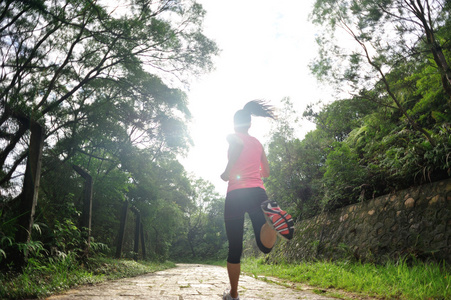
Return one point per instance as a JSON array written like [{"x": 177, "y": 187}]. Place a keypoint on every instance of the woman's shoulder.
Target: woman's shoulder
[{"x": 235, "y": 139}]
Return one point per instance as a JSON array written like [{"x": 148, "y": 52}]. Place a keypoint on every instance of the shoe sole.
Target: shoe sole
[{"x": 287, "y": 219}]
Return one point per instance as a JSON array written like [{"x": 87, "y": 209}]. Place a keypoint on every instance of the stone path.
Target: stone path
[{"x": 186, "y": 281}]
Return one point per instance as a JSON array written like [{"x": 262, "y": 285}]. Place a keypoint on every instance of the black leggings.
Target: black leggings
[{"x": 237, "y": 203}]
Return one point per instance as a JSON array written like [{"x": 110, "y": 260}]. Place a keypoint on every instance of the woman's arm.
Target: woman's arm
[{"x": 235, "y": 147}]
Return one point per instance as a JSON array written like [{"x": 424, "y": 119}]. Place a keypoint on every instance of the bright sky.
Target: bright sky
[{"x": 266, "y": 48}]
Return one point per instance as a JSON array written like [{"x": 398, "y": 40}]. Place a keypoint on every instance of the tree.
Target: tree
[
  {"x": 61, "y": 61},
  {"x": 349, "y": 111},
  {"x": 103, "y": 84},
  {"x": 204, "y": 233},
  {"x": 389, "y": 34},
  {"x": 294, "y": 165},
  {"x": 303, "y": 172}
]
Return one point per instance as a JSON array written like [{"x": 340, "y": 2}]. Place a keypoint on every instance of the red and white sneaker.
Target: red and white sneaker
[{"x": 279, "y": 219}]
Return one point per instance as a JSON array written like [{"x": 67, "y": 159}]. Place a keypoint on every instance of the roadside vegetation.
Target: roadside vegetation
[
  {"x": 342, "y": 280},
  {"x": 40, "y": 279},
  {"x": 393, "y": 280}
]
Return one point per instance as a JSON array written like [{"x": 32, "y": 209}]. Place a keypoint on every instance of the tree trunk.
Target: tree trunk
[
  {"x": 137, "y": 230},
  {"x": 87, "y": 205},
  {"x": 434, "y": 45},
  {"x": 120, "y": 239},
  {"x": 29, "y": 196},
  {"x": 191, "y": 246},
  {"x": 143, "y": 245}
]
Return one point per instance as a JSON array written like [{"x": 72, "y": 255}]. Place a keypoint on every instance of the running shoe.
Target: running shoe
[
  {"x": 279, "y": 219},
  {"x": 227, "y": 296}
]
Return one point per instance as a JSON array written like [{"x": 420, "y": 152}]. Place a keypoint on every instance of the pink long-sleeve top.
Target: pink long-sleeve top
[{"x": 245, "y": 173}]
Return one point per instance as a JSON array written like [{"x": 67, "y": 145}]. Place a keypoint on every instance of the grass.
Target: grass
[
  {"x": 394, "y": 280},
  {"x": 39, "y": 280}
]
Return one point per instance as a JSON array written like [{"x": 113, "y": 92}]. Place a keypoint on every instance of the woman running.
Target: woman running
[{"x": 247, "y": 164}]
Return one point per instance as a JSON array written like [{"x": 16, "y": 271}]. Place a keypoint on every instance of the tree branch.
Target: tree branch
[{"x": 387, "y": 86}]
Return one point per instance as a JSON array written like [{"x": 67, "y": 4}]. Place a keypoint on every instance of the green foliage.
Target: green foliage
[
  {"x": 339, "y": 118},
  {"x": 394, "y": 131},
  {"x": 398, "y": 279},
  {"x": 41, "y": 278},
  {"x": 298, "y": 168},
  {"x": 107, "y": 89},
  {"x": 203, "y": 226},
  {"x": 110, "y": 269},
  {"x": 292, "y": 178},
  {"x": 66, "y": 237},
  {"x": 343, "y": 176},
  {"x": 357, "y": 152},
  {"x": 395, "y": 40},
  {"x": 33, "y": 248}
]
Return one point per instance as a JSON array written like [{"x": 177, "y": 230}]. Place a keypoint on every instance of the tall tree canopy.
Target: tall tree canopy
[
  {"x": 94, "y": 75},
  {"x": 106, "y": 81},
  {"x": 387, "y": 34}
]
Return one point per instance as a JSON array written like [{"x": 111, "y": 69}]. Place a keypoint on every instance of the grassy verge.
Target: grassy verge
[
  {"x": 39, "y": 279},
  {"x": 390, "y": 281}
]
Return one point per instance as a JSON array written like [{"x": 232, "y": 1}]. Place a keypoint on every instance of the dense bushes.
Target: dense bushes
[{"x": 338, "y": 165}]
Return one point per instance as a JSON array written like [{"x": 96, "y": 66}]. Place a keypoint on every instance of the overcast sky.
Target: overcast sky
[{"x": 266, "y": 48}]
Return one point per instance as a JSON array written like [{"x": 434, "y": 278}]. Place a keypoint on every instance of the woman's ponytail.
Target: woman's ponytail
[
  {"x": 242, "y": 118},
  {"x": 259, "y": 108}
]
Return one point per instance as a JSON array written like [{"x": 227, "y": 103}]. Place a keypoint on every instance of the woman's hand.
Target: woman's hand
[{"x": 225, "y": 176}]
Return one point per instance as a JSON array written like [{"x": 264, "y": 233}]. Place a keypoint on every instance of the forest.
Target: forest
[{"x": 94, "y": 117}]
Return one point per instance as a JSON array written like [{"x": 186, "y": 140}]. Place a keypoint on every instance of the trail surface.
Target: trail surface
[{"x": 186, "y": 281}]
